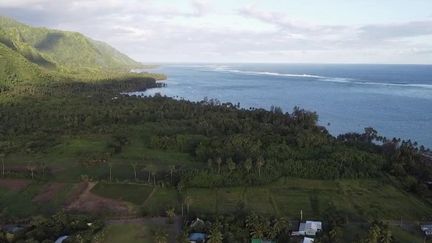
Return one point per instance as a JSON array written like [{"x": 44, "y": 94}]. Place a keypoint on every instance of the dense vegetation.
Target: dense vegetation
[
  {"x": 61, "y": 107},
  {"x": 234, "y": 146},
  {"x": 66, "y": 51}
]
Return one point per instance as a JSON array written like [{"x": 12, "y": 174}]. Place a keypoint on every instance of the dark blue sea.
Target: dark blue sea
[{"x": 394, "y": 99}]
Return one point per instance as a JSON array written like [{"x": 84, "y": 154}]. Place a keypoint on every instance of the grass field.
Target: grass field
[
  {"x": 362, "y": 200},
  {"x": 22, "y": 204},
  {"x": 128, "y": 233},
  {"x": 133, "y": 193},
  {"x": 67, "y": 159}
]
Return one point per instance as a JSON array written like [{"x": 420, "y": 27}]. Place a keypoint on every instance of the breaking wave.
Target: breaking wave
[{"x": 322, "y": 78}]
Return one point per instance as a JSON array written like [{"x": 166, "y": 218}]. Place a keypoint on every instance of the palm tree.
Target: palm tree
[
  {"x": 43, "y": 166},
  {"x": 255, "y": 225},
  {"x": 259, "y": 163},
  {"x": 134, "y": 166},
  {"x": 188, "y": 201},
  {"x": 110, "y": 165},
  {"x": 150, "y": 168},
  {"x": 180, "y": 187},
  {"x": 160, "y": 236},
  {"x": 258, "y": 231},
  {"x": 3, "y": 156},
  {"x": 172, "y": 169},
  {"x": 210, "y": 164},
  {"x": 386, "y": 235},
  {"x": 248, "y": 164},
  {"x": 219, "y": 162},
  {"x": 374, "y": 233},
  {"x": 170, "y": 214},
  {"x": 279, "y": 224},
  {"x": 154, "y": 177},
  {"x": 335, "y": 233},
  {"x": 231, "y": 165},
  {"x": 31, "y": 167},
  {"x": 215, "y": 235}
]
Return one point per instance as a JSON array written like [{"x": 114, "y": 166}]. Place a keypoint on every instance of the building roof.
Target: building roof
[
  {"x": 313, "y": 225},
  {"x": 197, "y": 237},
  {"x": 425, "y": 227},
  {"x": 197, "y": 223},
  {"x": 302, "y": 227},
  {"x": 61, "y": 239},
  {"x": 310, "y": 225},
  {"x": 308, "y": 240}
]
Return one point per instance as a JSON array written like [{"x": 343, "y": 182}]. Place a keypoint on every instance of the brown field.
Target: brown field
[
  {"x": 14, "y": 184},
  {"x": 49, "y": 192},
  {"x": 91, "y": 203}
]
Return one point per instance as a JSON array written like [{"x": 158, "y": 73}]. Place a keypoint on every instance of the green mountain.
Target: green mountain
[
  {"x": 67, "y": 52},
  {"x": 15, "y": 68}
]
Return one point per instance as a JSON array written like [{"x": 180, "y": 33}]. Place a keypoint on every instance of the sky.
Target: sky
[{"x": 260, "y": 31}]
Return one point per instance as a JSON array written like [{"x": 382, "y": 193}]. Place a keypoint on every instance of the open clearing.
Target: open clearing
[
  {"x": 140, "y": 230},
  {"x": 361, "y": 199},
  {"x": 91, "y": 203}
]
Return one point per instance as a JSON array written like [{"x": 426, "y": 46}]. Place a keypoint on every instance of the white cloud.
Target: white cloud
[{"x": 151, "y": 30}]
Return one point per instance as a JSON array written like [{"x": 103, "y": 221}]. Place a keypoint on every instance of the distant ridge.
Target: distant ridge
[{"x": 67, "y": 52}]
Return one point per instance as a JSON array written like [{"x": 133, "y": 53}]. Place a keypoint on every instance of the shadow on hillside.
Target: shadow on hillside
[{"x": 49, "y": 42}]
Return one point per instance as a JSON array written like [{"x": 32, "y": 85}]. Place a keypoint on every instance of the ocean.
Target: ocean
[{"x": 396, "y": 100}]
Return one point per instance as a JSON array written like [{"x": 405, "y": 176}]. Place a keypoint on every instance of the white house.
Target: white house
[
  {"x": 308, "y": 240},
  {"x": 309, "y": 228}
]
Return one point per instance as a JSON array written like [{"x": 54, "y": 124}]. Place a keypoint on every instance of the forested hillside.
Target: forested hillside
[
  {"x": 68, "y": 52},
  {"x": 15, "y": 69}
]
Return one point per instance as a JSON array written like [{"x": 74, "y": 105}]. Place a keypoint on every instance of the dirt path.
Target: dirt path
[
  {"x": 49, "y": 192},
  {"x": 91, "y": 203},
  {"x": 149, "y": 196}
]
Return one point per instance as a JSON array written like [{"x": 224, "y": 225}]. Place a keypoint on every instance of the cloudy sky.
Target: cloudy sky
[{"x": 294, "y": 31}]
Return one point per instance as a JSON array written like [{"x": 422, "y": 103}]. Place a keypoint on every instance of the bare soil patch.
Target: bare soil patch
[
  {"x": 91, "y": 203},
  {"x": 14, "y": 184},
  {"x": 48, "y": 192}
]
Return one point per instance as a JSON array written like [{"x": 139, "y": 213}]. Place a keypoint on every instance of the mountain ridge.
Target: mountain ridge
[{"x": 63, "y": 51}]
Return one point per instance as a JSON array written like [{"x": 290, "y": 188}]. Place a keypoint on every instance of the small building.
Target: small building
[
  {"x": 197, "y": 238},
  {"x": 309, "y": 228},
  {"x": 427, "y": 229},
  {"x": 61, "y": 239},
  {"x": 197, "y": 223},
  {"x": 308, "y": 240}
]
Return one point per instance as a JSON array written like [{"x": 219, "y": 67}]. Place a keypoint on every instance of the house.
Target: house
[
  {"x": 309, "y": 228},
  {"x": 427, "y": 229},
  {"x": 61, "y": 239},
  {"x": 197, "y": 238},
  {"x": 308, "y": 240},
  {"x": 197, "y": 223}
]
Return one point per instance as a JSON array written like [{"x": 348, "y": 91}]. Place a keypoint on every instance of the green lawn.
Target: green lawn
[
  {"x": 162, "y": 199},
  {"x": 21, "y": 204},
  {"x": 66, "y": 158},
  {"x": 133, "y": 193},
  {"x": 128, "y": 233},
  {"x": 362, "y": 200},
  {"x": 403, "y": 236}
]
